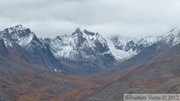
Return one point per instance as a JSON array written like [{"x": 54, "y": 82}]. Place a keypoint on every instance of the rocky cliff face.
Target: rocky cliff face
[{"x": 3, "y": 49}]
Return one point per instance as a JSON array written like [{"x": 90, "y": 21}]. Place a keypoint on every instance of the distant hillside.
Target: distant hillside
[{"x": 161, "y": 75}]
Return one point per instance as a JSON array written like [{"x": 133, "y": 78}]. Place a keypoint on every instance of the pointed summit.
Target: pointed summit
[{"x": 77, "y": 31}]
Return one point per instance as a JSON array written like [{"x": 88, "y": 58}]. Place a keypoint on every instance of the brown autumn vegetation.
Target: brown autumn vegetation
[{"x": 49, "y": 86}]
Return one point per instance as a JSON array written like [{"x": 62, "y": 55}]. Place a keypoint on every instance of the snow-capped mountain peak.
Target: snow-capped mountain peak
[
  {"x": 78, "y": 30},
  {"x": 81, "y": 46},
  {"x": 17, "y": 34},
  {"x": 22, "y": 41},
  {"x": 15, "y": 29}
]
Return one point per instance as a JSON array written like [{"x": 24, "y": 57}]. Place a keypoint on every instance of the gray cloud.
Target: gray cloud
[{"x": 49, "y": 18}]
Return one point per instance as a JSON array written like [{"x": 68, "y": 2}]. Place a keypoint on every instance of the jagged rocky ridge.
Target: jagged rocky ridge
[
  {"x": 80, "y": 47},
  {"x": 82, "y": 51},
  {"x": 131, "y": 46}
]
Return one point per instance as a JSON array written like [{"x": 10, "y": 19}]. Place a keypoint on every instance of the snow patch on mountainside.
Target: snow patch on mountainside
[
  {"x": 120, "y": 55},
  {"x": 23, "y": 42},
  {"x": 149, "y": 40},
  {"x": 124, "y": 48},
  {"x": 172, "y": 37}
]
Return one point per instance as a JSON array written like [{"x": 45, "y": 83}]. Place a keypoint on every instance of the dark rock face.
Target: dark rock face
[
  {"x": 106, "y": 58},
  {"x": 3, "y": 49},
  {"x": 89, "y": 33}
]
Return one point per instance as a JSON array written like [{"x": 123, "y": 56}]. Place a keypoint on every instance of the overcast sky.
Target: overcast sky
[{"x": 134, "y": 18}]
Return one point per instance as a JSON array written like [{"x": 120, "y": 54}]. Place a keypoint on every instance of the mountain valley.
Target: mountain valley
[{"x": 85, "y": 66}]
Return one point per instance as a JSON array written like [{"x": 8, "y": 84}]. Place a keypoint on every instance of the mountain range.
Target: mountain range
[
  {"x": 86, "y": 66},
  {"x": 80, "y": 52}
]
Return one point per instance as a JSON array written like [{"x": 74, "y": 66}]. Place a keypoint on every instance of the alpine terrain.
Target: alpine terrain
[{"x": 85, "y": 66}]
